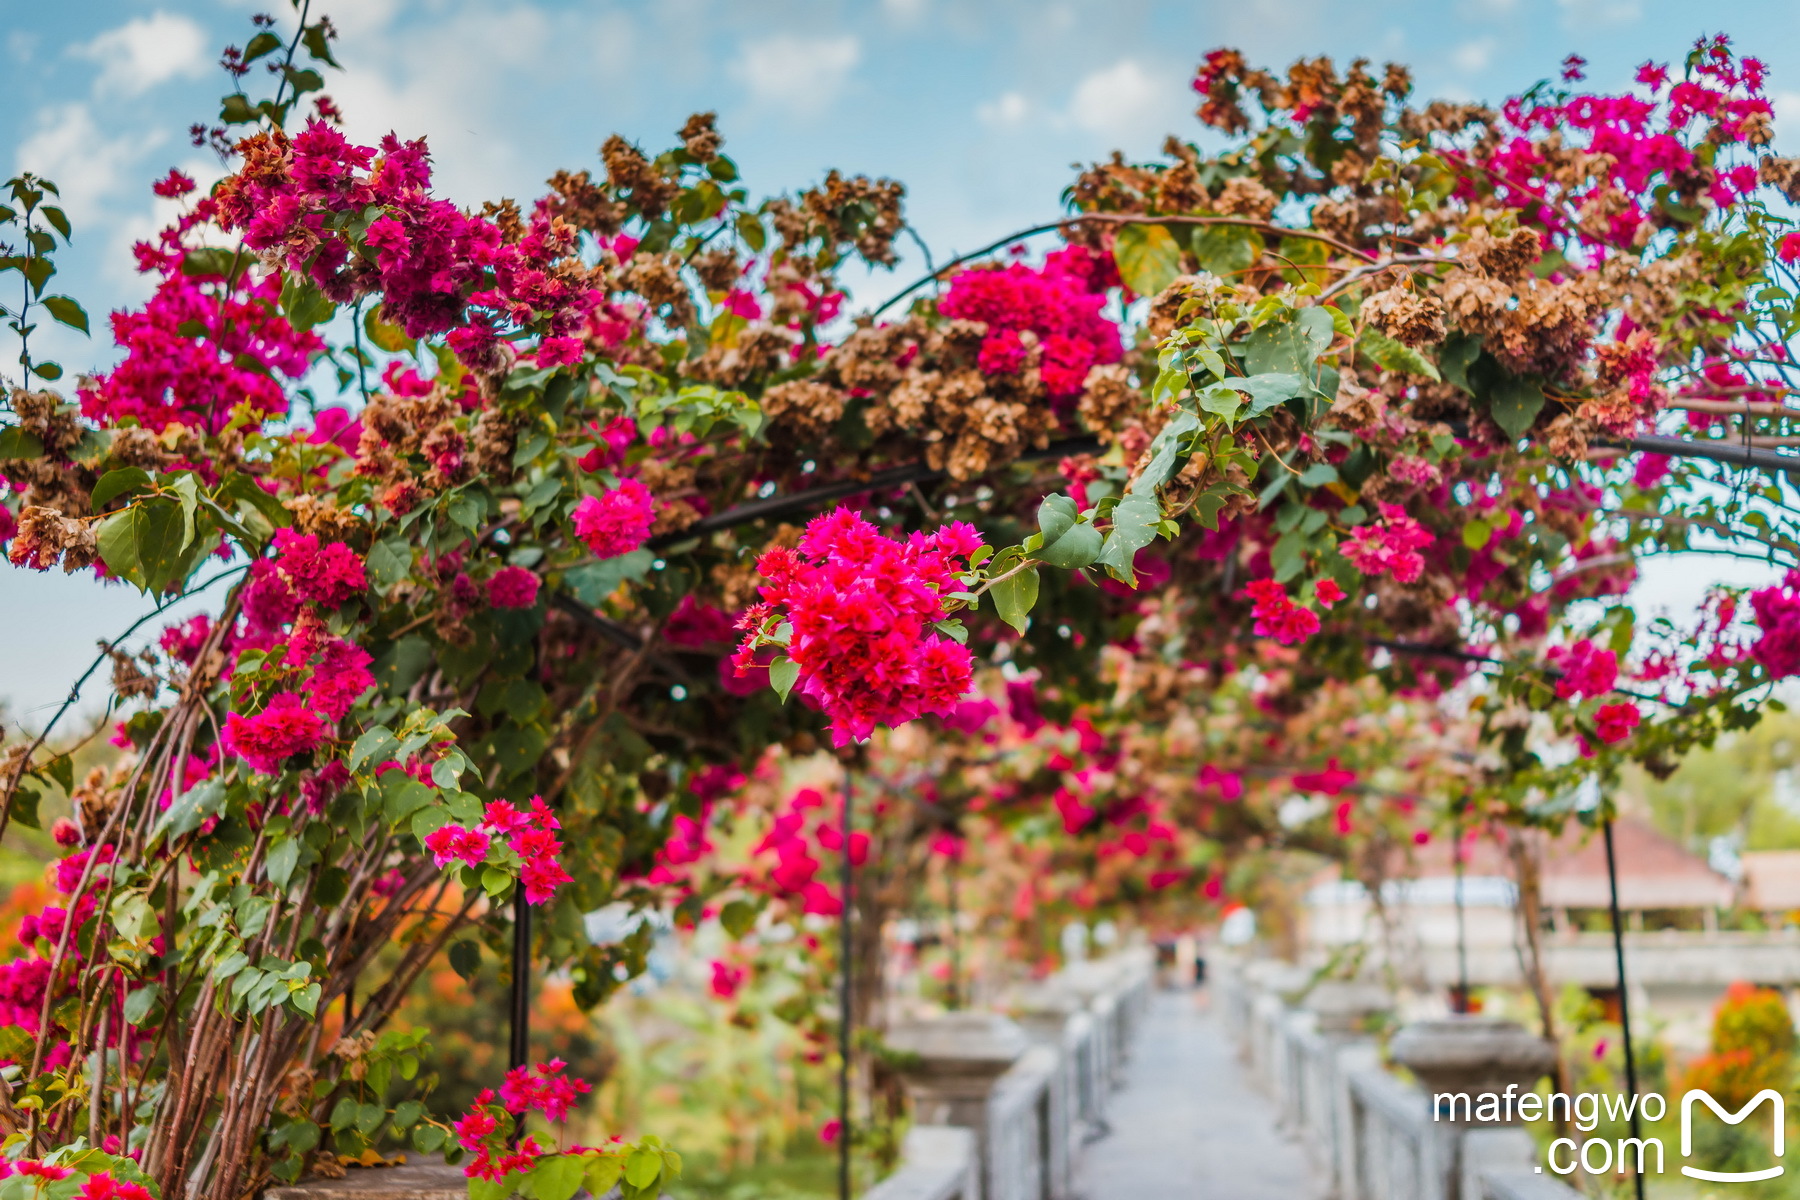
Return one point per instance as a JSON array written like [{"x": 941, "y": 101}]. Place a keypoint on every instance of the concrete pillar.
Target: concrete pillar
[
  {"x": 1472, "y": 1056},
  {"x": 951, "y": 1064},
  {"x": 1346, "y": 1013}
]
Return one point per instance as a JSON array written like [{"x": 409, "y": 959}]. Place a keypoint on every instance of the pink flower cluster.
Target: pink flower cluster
[
  {"x": 543, "y": 1088},
  {"x": 1390, "y": 547},
  {"x": 98, "y": 1186},
  {"x": 616, "y": 521},
  {"x": 438, "y": 269},
  {"x": 25, "y": 981},
  {"x": 285, "y": 727},
  {"x": 863, "y": 610},
  {"x": 1777, "y": 610},
  {"x": 1276, "y": 615},
  {"x": 512, "y": 587},
  {"x": 193, "y": 356},
  {"x": 1058, "y": 302},
  {"x": 804, "y": 827},
  {"x": 1644, "y": 140},
  {"x": 1583, "y": 669},
  {"x": 1614, "y": 722},
  {"x": 530, "y": 834}
]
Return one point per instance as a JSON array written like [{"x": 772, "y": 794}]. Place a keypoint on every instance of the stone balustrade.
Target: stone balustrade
[
  {"x": 1000, "y": 1105},
  {"x": 1373, "y": 1132},
  {"x": 1022, "y": 1091}
]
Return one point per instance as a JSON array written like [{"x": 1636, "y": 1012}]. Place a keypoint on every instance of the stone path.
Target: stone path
[{"x": 1188, "y": 1125}]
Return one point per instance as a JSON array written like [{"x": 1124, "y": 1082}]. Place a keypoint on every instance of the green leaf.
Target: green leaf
[
  {"x": 1394, "y": 355},
  {"x": 1055, "y": 515},
  {"x": 1148, "y": 256},
  {"x": 372, "y": 745},
  {"x": 303, "y": 79},
  {"x": 643, "y": 1167},
  {"x": 556, "y": 1177},
  {"x": 211, "y": 261},
  {"x": 1477, "y": 533},
  {"x": 1515, "y": 404},
  {"x": 1318, "y": 475},
  {"x": 784, "y": 672},
  {"x": 144, "y": 543},
  {"x": 1456, "y": 356},
  {"x": 18, "y": 442},
  {"x": 369, "y": 1117},
  {"x": 594, "y": 582},
  {"x": 1269, "y": 391},
  {"x": 1014, "y": 597},
  {"x": 1290, "y": 347},
  {"x": 190, "y": 809},
  {"x": 1077, "y": 546},
  {"x": 1222, "y": 401},
  {"x": 67, "y": 311},
  {"x": 266, "y": 42},
  {"x": 343, "y": 1114},
  {"x": 1226, "y": 250},
  {"x": 387, "y": 337},
  {"x": 1134, "y": 526},
  {"x": 603, "y": 1173},
  {"x": 388, "y": 563},
  {"x": 302, "y": 301},
  {"x": 47, "y": 370},
  {"x": 738, "y": 917},
  {"x": 139, "y": 1003},
  {"x": 1165, "y": 450},
  {"x": 282, "y": 860},
  {"x": 465, "y": 957},
  {"x": 244, "y": 487},
  {"x": 316, "y": 43},
  {"x": 58, "y": 218},
  {"x": 117, "y": 483}
]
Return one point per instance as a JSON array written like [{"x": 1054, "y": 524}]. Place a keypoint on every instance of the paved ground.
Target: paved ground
[{"x": 1188, "y": 1125}]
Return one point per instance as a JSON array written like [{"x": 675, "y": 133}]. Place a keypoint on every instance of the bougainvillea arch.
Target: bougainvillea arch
[{"x": 620, "y": 503}]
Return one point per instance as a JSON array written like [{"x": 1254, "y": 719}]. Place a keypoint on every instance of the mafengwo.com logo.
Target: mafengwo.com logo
[{"x": 1584, "y": 1112}]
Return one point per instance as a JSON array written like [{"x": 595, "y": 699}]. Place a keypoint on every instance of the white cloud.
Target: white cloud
[
  {"x": 1787, "y": 117},
  {"x": 145, "y": 52},
  {"x": 68, "y": 147},
  {"x": 1008, "y": 112},
  {"x": 1587, "y": 14},
  {"x": 1127, "y": 102},
  {"x": 804, "y": 74},
  {"x": 1472, "y": 57},
  {"x": 906, "y": 12}
]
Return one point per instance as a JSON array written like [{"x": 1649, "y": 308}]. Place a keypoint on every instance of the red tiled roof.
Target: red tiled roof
[{"x": 1654, "y": 871}]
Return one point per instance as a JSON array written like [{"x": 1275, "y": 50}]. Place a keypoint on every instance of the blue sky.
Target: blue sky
[{"x": 979, "y": 106}]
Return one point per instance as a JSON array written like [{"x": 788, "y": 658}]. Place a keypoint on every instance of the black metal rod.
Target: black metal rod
[
  {"x": 956, "y": 997},
  {"x": 519, "y": 1050},
  {"x": 1462, "y": 931},
  {"x": 846, "y": 950},
  {"x": 1631, "y": 1083}
]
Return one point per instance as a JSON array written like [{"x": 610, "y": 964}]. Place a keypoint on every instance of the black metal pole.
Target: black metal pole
[
  {"x": 1612, "y": 884},
  {"x": 1462, "y": 932},
  {"x": 956, "y": 993},
  {"x": 845, "y": 954},
  {"x": 519, "y": 1051}
]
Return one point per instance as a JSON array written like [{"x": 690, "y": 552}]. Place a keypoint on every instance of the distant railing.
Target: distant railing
[
  {"x": 1370, "y": 1130},
  {"x": 1022, "y": 1143}
]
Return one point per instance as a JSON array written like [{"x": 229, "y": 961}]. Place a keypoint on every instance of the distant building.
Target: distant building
[{"x": 1678, "y": 961}]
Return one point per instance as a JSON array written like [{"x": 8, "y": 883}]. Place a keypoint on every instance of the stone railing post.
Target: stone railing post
[
  {"x": 1472, "y": 1056},
  {"x": 954, "y": 1061},
  {"x": 1344, "y": 1012},
  {"x": 1054, "y": 1017}
]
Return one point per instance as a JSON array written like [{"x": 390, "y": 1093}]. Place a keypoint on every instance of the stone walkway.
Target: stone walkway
[{"x": 1188, "y": 1125}]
